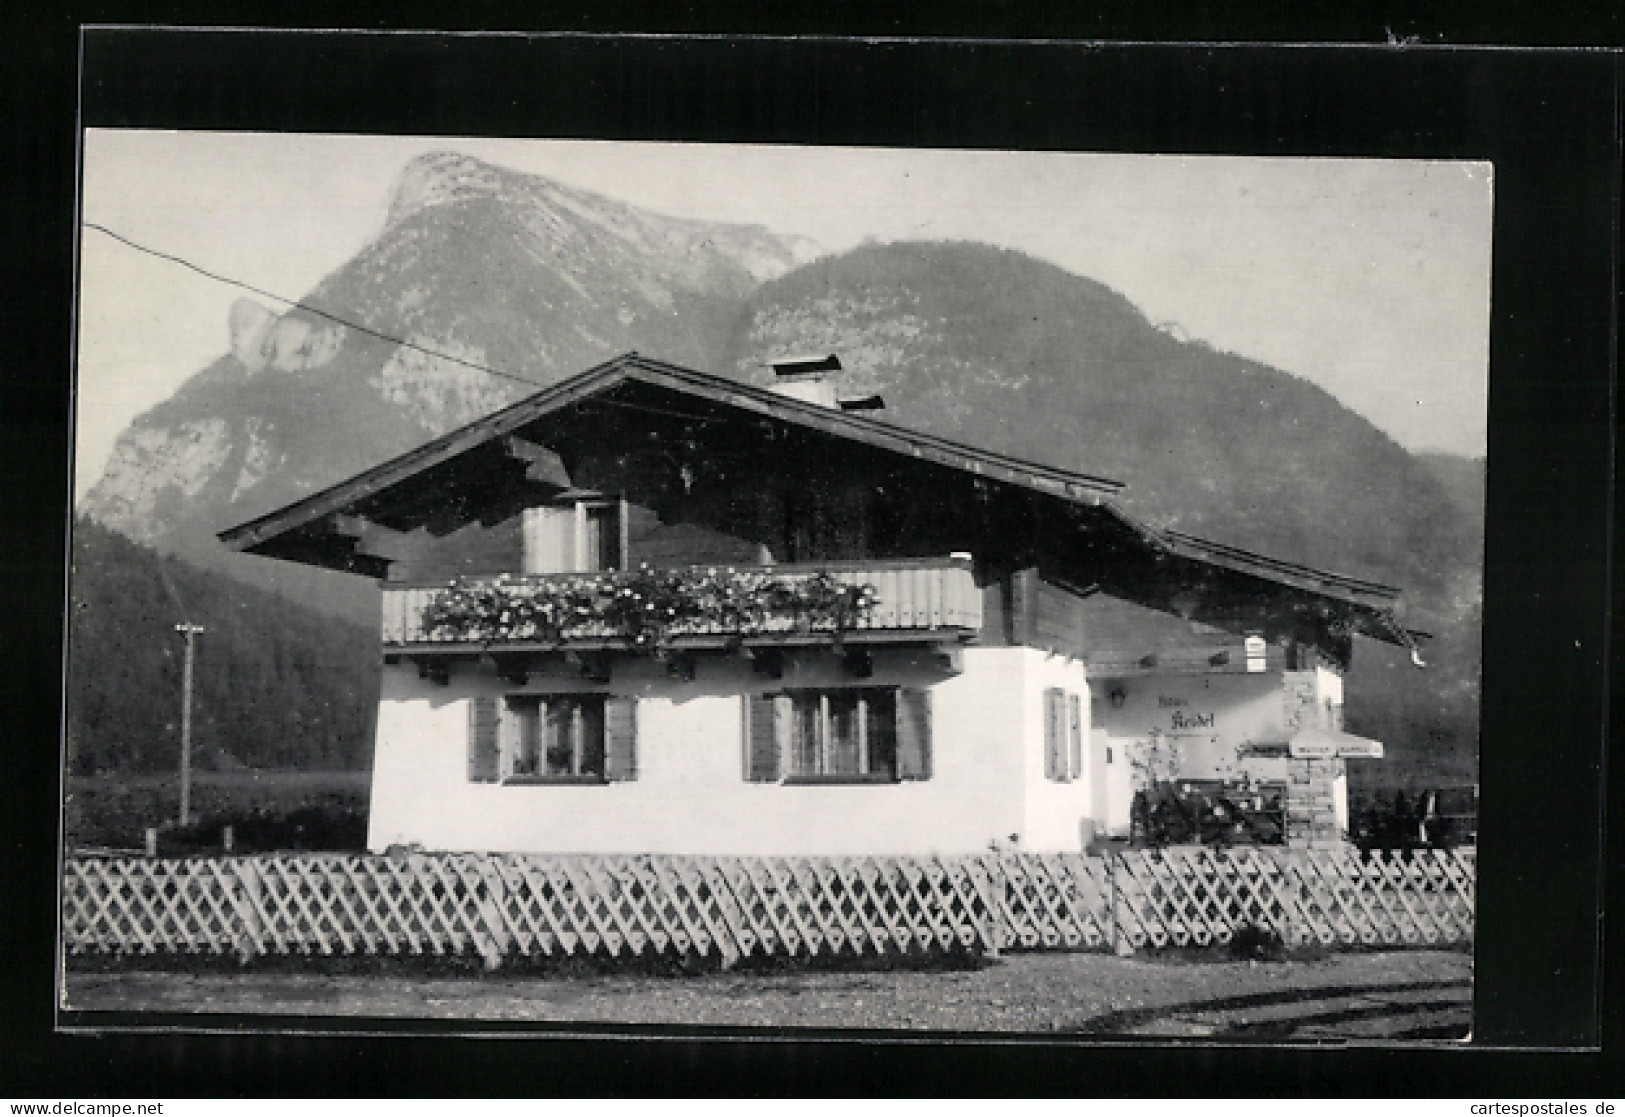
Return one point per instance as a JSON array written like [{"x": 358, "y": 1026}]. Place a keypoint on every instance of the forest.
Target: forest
[{"x": 276, "y": 685}]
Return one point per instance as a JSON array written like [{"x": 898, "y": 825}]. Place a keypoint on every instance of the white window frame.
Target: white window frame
[
  {"x": 617, "y": 508},
  {"x": 824, "y": 749},
  {"x": 518, "y": 710}
]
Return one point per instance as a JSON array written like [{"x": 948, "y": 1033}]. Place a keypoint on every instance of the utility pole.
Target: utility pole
[{"x": 188, "y": 631}]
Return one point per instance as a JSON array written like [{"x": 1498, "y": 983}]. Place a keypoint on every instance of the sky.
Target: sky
[{"x": 1367, "y": 277}]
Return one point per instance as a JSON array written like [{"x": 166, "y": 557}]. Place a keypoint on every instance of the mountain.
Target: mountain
[
  {"x": 484, "y": 266},
  {"x": 475, "y": 266},
  {"x": 1463, "y": 479},
  {"x": 1432, "y": 716},
  {"x": 1004, "y": 351},
  {"x": 276, "y": 684}
]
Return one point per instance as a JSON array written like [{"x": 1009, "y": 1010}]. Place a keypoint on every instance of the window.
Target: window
[
  {"x": 600, "y": 537},
  {"x": 575, "y": 537},
  {"x": 1063, "y": 735},
  {"x": 554, "y": 738},
  {"x": 843, "y": 735}
]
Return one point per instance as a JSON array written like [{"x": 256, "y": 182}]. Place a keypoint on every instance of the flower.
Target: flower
[{"x": 647, "y": 606}]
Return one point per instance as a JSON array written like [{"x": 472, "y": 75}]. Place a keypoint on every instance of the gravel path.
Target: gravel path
[{"x": 1423, "y": 995}]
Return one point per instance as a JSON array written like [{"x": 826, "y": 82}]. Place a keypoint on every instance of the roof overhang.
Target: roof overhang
[
  {"x": 1354, "y": 605},
  {"x": 352, "y": 497},
  {"x": 340, "y": 527}
]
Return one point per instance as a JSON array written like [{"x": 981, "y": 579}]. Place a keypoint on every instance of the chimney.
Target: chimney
[{"x": 808, "y": 379}]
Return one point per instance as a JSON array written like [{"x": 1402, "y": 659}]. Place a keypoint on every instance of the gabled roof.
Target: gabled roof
[
  {"x": 727, "y": 393},
  {"x": 1370, "y": 603}
]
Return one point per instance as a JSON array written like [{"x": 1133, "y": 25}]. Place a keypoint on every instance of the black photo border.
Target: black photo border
[{"x": 1547, "y": 119}]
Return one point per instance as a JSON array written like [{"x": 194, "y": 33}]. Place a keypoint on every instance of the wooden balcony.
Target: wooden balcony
[{"x": 914, "y": 600}]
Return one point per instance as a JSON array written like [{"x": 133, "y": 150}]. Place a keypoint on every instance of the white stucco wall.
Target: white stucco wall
[
  {"x": 1113, "y": 799},
  {"x": 1329, "y": 689},
  {"x": 690, "y": 795},
  {"x": 1208, "y": 716}
]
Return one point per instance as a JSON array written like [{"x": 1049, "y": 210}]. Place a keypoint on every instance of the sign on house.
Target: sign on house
[
  {"x": 1348, "y": 749},
  {"x": 1313, "y": 750},
  {"x": 1360, "y": 750}
]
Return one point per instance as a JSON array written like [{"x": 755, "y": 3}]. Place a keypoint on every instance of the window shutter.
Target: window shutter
[
  {"x": 913, "y": 734},
  {"x": 1054, "y": 732},
  {"x": 620, "y": 739},
  {"x": 1074, "y": 718},
  {"x": 508, "y": 730},
  {"x": 484, "y": 755},
  {"x": 550, "y": 539},
  {"x": 623, "y": 534},
  {"x": 761, "y": 739}
]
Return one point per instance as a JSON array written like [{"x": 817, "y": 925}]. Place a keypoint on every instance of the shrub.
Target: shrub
[
  {"x": 266, "y": 810},
  {"x": 1256, "y": 943}
]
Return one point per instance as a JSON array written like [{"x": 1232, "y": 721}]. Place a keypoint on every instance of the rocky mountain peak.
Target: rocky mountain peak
[
  {"x": 437, "y": 178},
  {"x": 484, "y": 284},
  {"x": 555, "y": 217}
]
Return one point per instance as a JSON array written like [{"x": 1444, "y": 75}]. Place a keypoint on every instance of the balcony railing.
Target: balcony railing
[{"x": 905, "y": 600}]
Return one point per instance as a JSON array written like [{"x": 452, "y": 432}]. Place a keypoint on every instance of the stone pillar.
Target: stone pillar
[{"x": 1311, "y": 806}]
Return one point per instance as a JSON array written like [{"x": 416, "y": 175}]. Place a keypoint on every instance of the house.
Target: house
[{"x": 653, "y": 610}]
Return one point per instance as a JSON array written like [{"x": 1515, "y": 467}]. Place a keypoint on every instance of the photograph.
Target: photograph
[{"x": 791, "y": 589}]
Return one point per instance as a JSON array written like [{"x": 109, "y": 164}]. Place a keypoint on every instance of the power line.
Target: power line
[
  {"x": 218, "y": 278},
  {"x": 347, "y": 324}
]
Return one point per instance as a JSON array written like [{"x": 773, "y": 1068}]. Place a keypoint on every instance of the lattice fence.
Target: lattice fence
[
  {"x": 1189, "y": 897},
  {"x": 732, "y": 907},
  {"x": 497, "y": 905}
]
